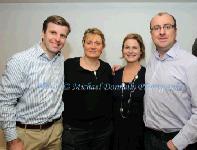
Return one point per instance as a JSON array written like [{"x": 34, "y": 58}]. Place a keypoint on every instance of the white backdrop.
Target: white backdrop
[{"x": 21, "y": 25}]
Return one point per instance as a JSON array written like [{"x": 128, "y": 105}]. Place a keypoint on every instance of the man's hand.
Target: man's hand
[
  {"x": 171, "y": 146},
  {"x": 16, "y": 144}
]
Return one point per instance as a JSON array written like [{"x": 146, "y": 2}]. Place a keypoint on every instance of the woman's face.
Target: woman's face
[
  {"x": 93, "y": 46},
  {"x": 131, "y": 51}
]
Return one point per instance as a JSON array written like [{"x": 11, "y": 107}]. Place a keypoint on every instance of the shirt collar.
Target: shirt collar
[
  {"x": 171, "y": 53},
  {"x": 41, "y": 53}
]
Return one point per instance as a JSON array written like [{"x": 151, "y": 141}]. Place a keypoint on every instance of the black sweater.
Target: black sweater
[{"x": 87, "y": 98}]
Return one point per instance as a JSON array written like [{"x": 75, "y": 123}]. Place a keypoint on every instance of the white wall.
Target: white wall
[{"x": 21, "y": 24}]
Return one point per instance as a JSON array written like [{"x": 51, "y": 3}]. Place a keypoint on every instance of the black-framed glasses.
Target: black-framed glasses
[{"x": 166, "y": 27}]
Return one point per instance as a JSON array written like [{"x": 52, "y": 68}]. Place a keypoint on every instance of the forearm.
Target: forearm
[
  {"x": 8, "y": 117},
  {"x": 180, "y": 142},
  {"x": 187, "y": 135},
  {"x": 10, "y": 134}
]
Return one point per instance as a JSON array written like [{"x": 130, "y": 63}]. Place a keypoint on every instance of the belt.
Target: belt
[
  {"x": 161, "y": 134},
  {"x": 41, "y": 126}
]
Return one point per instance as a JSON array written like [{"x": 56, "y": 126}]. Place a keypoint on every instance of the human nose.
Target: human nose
[
  {"x": 93, "y": 45},
  {"x": 162, "y": 30},
  {"x": 58, "y": 38},
  {"x": 131, "y": 49}
]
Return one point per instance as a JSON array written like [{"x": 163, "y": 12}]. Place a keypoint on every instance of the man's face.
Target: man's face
[
  {"x": 163, "y": 32},
  {"x": 53, "y": 39}
]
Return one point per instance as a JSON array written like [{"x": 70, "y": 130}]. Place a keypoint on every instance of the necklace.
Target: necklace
[
  {"x": 95, "y": 72},
  {"x": 91, "y": 67},
  {"x": 124, "y": 109}
]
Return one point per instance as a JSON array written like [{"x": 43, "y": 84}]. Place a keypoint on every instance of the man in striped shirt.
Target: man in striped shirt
[{"x": 31, "y": 91}]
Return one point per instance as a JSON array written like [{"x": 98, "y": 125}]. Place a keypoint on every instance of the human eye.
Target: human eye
[
  {"x": 98, "y": 43},
  {"x": 135, "y": 47},
  {"x": 126, "y": 47},
  {"x": 167, "y": 26},
  {"x": 156, "y": 28},
  {"x": 53, "y": 32},
  {"x": 88, "y": 42},
  {"x": 63, "y": 36}
]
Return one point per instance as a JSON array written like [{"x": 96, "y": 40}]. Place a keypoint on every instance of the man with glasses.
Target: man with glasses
[{"x": 170, "y": 112}]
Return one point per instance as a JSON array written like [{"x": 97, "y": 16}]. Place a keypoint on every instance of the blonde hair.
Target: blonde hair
[{"x": 94, "y": 31}]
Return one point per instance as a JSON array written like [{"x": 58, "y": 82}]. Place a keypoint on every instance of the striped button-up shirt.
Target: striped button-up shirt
[
  {"x": 171, "y": 96},
  {"x": 31, "y": 89}
]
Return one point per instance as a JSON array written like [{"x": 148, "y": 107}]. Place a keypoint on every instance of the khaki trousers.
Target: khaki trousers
[
  {"x": 2, "y": 141},
  {"x": 44, "y": 139}
]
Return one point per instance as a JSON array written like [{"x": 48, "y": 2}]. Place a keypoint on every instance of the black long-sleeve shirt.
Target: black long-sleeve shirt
[{"x": 87, "y": 97}]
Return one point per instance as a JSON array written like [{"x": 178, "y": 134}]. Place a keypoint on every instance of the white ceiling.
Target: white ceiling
[{"x": 97, "y": 1}]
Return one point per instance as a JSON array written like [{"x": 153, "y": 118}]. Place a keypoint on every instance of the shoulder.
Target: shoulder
[
  {"x": 104, "y": 65},
  {"x": 72, "y": 61},
  {"x": 71, "y": 64},
  {"x": 187, "y": 58},
  {"x": 22, "y": 58},
  {"x": 142, "y": 73},
  {"x": 117, "y": 77},
  {"x": 119, "y": 72},
  {"x": 27, "y": 54},
  {"x": 143, "y": 69},
  {"x": 20, "y": 61},
  {"x": 186, "y": 63}
]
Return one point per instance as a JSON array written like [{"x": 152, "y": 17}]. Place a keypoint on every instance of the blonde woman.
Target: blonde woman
[{"x": 87, "y": 101}]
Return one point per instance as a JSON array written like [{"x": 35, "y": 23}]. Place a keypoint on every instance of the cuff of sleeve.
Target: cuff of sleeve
[
  {"x": 180, "y": 141},
  {"x": 10, "y": 134}
]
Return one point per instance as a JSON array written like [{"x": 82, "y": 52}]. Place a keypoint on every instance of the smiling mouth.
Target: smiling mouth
[
  {"x": 162, "y": 39},
  {"x": 92, "y": 51},
  {"x": 131, "y": 55},
  {"x": 56, "y": 46}
]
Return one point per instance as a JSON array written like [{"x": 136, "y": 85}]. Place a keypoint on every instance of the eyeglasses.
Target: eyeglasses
[{"x": 166, "y": 27}]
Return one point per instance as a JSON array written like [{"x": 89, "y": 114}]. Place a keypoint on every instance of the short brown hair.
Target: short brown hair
[
  {"x": 139, "y": 39},
  {"x": 94, "y": 31},
  {"x": 56, "y": 20},
  {"x": 164, "y": 13}
]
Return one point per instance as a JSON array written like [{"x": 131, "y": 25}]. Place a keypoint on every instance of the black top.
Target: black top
[
  {"x": 128, "y": 122},
  {"x": 87, "y": 99}
]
